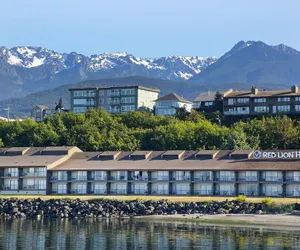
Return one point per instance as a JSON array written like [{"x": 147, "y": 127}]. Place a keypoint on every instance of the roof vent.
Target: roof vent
[
  {"x": 172, "y": 154},
  {"x": 206, "y": 154},
  {"x": 109, "y": 155},
  {"x": 241, "y": 154},
  {"x": 140, "y": 155}
]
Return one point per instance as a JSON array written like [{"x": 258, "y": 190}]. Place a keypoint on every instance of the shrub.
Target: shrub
[
  {"x": 267, "y": 201},
  {"x": 241, "y": 198}
]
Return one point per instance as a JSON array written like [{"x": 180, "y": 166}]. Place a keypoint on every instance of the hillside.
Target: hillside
[
  {"x": 21, "y": 106},
  {"x": 248, "y": 63}
]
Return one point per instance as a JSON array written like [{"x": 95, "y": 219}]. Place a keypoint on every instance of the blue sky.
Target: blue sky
[{"x": 148, "y": 28}]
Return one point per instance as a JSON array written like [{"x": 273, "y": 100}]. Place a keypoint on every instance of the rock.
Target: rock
[{"x": 259, "y": 212}]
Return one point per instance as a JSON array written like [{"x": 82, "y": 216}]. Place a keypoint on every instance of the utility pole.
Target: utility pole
[{"x": 8, "y": 108}]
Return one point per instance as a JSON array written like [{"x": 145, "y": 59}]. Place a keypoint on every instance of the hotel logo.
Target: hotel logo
[
  {"x": 257, "y": 154},
  {"x": 276, "y": 154}
]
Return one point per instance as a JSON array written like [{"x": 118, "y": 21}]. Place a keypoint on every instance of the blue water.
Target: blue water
[{"x": 130, "y": 234}]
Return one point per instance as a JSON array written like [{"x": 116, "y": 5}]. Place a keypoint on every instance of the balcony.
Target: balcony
[
  {"x": 271, "y": 179},
  {"x": 160, "y": 178},
  {"x": 12, "y": 188},
  {"x": 98, "y": 191},
  {"x": 225, "y": 193},
  {"x": 59, "y": 178},
  {"x": 24, "y": 174},
  {"x": 248, "y": 193},
  {"x": 138, "y": 178},
  {"x": 225, "y": 178},
  {"x": 118, "y": 191},
  {"x": 203, "y": 192},
  {"x": 248, "y": 179},
  {"x": 78, "y": 191},
  {"x": 246, "y": 112},
  {"x": 114, "y": 111},
  {"x": 160, "y": 192},
  {"x": 79, "y": 178},
  {"x": 292, "y": 194},
  {"x": 98, "y": 178},
  {"x": 117, "y": 178},
  {"x": 181, "y": 179},
  {"x": 139, "y": 192},
  {"x": 13, "y": 175},
  {"x": 32, "y": 187},
  {"x": 292, "y": 179},
  {"x": 115, "y": 102},
  {"x": 117, "y": 93},
  {"x": 202, "y": 178},
  {"x": 181, "y": 192},
  {"x": 273, "y": 194}
]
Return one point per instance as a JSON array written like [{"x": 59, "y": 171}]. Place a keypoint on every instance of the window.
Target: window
[
  {"x": 261, "y": 109},
  {"x": 297, "y": 107},
  {"x": 283, "y": 99},
  {"x": 101, "y": 100},
  {"x": 260, "y": 100},
  {"x": 127, "y": 108},
  {"x": 128, "y": 92},
  {"x": 297, "y": 98},
  {"x": 283, "y": 108},
  {"x": 182, "y": 175},
  {"x": 181, "y": 188},
  {"x": 81, "y": 188},
  {"x": 12, "y": 172},
  {"x": 101, "y": 92},
  {"x": 61, "y": 188},
  {"x": 139, "y": 188},
  {"x": 207, "y": 104},
  {"x": 40, "y": 172},
  {"x": 230, "y": 101},
  {"x": 99, "y": 175},
  {"x": 99, "y": 188},
  {"x": 128, "y": 100},
  {"x": 40, "y": 184},
  {"x": 242, "y": 100},
  {"x": 114, "y": 92},
  {"x": 79, "y": 175},
  {"x": 84, "y": 93},
  {"x": 79, "y": 110}
]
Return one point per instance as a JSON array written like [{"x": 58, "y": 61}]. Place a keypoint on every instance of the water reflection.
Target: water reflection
[{"x": 128, "y": 234}]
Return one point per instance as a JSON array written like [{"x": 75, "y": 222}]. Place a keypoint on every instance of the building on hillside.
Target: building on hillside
[
  {"x": 169, "y": 104},
  {"x": 115, "y": 100},
  {"x": 206, "y": 101},
  {"x": 246, "y": 104},
  {"x": 40, "y": 112},
  {"x": 68, "y": 170}
]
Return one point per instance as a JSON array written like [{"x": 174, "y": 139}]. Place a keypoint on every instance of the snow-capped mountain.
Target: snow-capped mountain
[{"x": 27, "y": 69}]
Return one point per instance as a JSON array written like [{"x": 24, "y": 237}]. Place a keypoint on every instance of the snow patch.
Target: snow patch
[{"x": 13, "y": 60}]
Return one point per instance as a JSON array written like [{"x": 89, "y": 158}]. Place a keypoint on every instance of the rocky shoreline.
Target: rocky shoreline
[{"x": 76, "y": 208}]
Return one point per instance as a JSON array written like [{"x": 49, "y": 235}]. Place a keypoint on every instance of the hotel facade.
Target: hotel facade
[{"x": 68, "y": 170}]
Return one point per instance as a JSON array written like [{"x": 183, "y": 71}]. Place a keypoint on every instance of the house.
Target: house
[
  {"x": 40, "y": 112},
  {"x": 169, "y": 104}
]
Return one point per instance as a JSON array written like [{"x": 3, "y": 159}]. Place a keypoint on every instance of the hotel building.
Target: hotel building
[
  {"x": 114, "y": 100},
  {"x": 68, "y": 170},
  {"x": 254, "y": 102}
]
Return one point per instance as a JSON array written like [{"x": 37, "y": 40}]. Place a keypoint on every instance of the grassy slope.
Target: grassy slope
[{"x": 170, "y": 198}]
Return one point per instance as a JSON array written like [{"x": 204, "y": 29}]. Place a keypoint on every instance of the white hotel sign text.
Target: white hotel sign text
[{"x": 276, "y": 155}]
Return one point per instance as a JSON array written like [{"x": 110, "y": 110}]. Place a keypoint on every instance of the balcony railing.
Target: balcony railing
[
  {"x": 272, "y": 179},
  {"x": 162, "y": 192},
  {"x": 248, "y": 193},
  {"x": 78, "y": 191},
  {"x": 181, "y": 193},
  {"x": 79, "y": 178},
  {"x": 59, "y": 178},
  {"x": 32, "y": 187},
  {"x": 160, "y": 178},
  {"x": 225, "y": 178},
  {"x": 204, "y": 192},
  {"x": 293, "y": 194},
  {"x": 225, "y": 193},
  {"x": 98, "y": 178},
  {"x": 181, "y": 178},
  {"x": 139, "y": 191},
  {"x": 292, "y": 179},
  {"x": 11, "y": 174},
  {"x": 114, "y": 94},
  {"x": 138, "y": 178},
  {"x": 203, "y": 178},
  {"x": 114, "y": 102},
  {"x": 118, "y": 178},
  {"x": 10, "y": 187},
  {"x": 33, "y": 174},
  {"x": 98, "y": 191},
  {"x": 118, "y": 191},
  {"x": 250, "y": 178},
  {"x": 59, "y": 192},
  {"x": 275, "y": 193}
]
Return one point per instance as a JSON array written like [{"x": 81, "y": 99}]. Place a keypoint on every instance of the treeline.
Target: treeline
[{"x": 98, "y": 130}]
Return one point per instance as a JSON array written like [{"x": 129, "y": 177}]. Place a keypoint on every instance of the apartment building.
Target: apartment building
[
  {"x": 169, "y": 104},
  {"x": 114, "y": 100},
  {"x": 255, "y": 102},
  {"x": 40, "y": 112},
  {"x": 68, "y": 170}
]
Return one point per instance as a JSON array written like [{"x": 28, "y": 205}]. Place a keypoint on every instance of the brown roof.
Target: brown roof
[
  {"x": 28, "y": 161},
  {"x": 173, "y": 97},
  {"x": 273, "y": 93},
  {"x": 88, "y": 161}
]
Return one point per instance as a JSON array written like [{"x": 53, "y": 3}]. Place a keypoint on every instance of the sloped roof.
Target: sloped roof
[
  {"x": 173, "y": 97},
  {"x": 206, "y": 97},
  {"x": 271, "y": 93}
]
